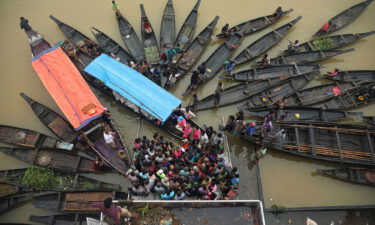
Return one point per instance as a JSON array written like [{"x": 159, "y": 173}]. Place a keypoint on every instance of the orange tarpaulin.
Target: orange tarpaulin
[{"x": 67, "y": 87}]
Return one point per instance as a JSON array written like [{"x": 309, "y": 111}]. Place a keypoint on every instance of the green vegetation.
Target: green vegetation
[
  {"x": 323, "y": 44},
  {"x": 39, "y": 178},
  {"x": 277, "y": 209}
]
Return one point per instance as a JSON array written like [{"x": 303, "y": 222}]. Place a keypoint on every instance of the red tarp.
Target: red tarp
[{"x": 67, "y": 87}]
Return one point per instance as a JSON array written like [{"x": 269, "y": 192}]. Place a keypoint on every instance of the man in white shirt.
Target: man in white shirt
[{"x": 109, "y": 138}]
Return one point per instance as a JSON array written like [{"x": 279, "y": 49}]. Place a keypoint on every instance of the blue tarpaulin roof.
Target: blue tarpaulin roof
[{"x": 133, "y": 86}]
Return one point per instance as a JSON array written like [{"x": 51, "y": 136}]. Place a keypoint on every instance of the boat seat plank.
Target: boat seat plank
[
  {"x": 297, "y": 69},
  {"x": 51, "y": 220},
  {"x": 312, "y": 139},
  {"x": 104, "y": 42},
  {"x": 114, "y": 48},
  {"x": 36, "y": 151},
  {"x": 75, "y": 180},
  {"x": 36, "y": 139},
  {"x": 41, "y": 112},
  {"x": 58, "y": 201},
  {"x": 78, "y": 163},
  {"x": 249, "y": 53},
  {"x": 323, "y": 115},
  {"x": 338, "y": 143},
  {"x": 297, "y": 139},
  {"x": 343, "y": 38},
  {"x": 92, "y": 129},
  {"x": 312, "y": 48},
  {"x": 70, "y": 33},
  {"x": 277, "y": 33},
  {"x": 202, "y": 38},
  {"x": 371, "y": 146}
]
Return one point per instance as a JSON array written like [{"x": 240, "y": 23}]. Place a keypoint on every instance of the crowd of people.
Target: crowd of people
[{"x": 197, "y": 169}]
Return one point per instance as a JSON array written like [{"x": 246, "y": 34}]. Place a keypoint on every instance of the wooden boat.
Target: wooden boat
[
  {"x": 284, "y": 88},
  {"x": 238, "y": 93},
  {"x": 13, "y": 201},
  {"x": 350, "y": 174},
  {"x": 65, "y": 218},
  {"x": 150, "y": 44},
  {"x": 281, "y": 72},
  {"x": 54, "y": 159},
  {"x": 167, "y": 27},
  {"x": 336, "y": 142},
  {"x": 320, "y": 93},
  {"x": 84, "y": 60},
  {"x": 338, "y": 41},
  {"x": 353, "y": 75},
  {"x": 67, "y": 181},
  {"x": 37, "y": 43},
  {"x": 304, "y": 114},
  {"x": 10, "y": 188},
  {"x": 255, "y": 25},
  {"x": 306, "y": 57},
  {"x": 28, "y": 138},
  {"x": 77, "y": 201},
  {"x": 111, "y": 47},
  {"x": 56, "y": 123},
  {"x": 216, "y": 60},
  {"x": 130, "y": 38},
  {"x": 368, "y": 119},
  {"x": 264, "y": 43},
  {"x": 353, "y": 98},
  {"x": 344, "y": 18},
  {"x": 73, "y": 35},
  {"x": 195, "y": 50},
  {"x": 187, "y": 29}
]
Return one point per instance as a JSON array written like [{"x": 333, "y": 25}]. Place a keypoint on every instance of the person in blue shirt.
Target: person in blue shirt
[
  {"x": 235, "y": 180},
  {"x": 229, "y": 67},
  {"x": 168, "y": 195}
]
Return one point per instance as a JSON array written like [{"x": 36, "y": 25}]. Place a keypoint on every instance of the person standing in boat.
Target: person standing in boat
[
  {"x": 278, "y": 13},
  {"x": 24, "y": 24},
  {"x": 112, "y": 212},
  {"x": 265, "y": 61},
  {"x": 217, "y": 95},
  {"x": 194, "y": 79},
  {"x": 115, "y": 8},
  {"x": 109, "y": 137},
  {"x": 202, "y": 68},
  {"x": 293, "y": 47}
]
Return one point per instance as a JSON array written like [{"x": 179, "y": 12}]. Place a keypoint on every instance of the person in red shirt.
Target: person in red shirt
[{"x": 112, "y": 212}]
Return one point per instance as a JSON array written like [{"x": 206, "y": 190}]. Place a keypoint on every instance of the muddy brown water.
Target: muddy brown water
[{"x": 287, "y": 180}]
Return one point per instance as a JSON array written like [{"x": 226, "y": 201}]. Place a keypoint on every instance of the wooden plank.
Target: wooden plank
[
  {"x": 51, "y": 219},
  {"x": 323, "y": 115},
  {"x": 59, "y": 202},
  {"x": 297, "y": 139},
  {"x": 312, "y": 48},
  {"x": 312, "y": 140},
  {"x": 78, "y": 163},
  {"x": 371, "y": 146},
  {"x": 87, "y": 196},
  {"x": 75, "y": 181},
  {"x": 297, "y": 69},
  {"x": 338, "y": 143},
  {"x": 35, "y": 156}
]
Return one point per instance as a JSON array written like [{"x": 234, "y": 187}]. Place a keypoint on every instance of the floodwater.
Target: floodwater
[{"x": 287, "y": 180}]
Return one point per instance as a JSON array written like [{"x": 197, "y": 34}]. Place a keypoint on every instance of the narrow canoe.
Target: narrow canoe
[
  {"x": 238, "y": 93},
  {"x": 54, "y": 159},
  {"x": 305, "y": 114},
  {"x": 66, "y": 181},
  {"x": 306, "y": 57},
  {"x": 320, "y": 93},
  {"x": 13, "y": 201},
  {"x": 264, "y": 43},
  {"x": 8, "y": 188},
  {"x": 255, "y": 24},
  {"x": 37, "y": 43},
  {"x": 354, "y": 175},
  {"x": 111, "y": 47},
  {"x": 281, "y": 72},
  {"x": 350, "y": 99},
  {"x": 56, "y": 123},
  {"x": 65, "y": 218},
  {"x": 338, "y": 41},
  {"x": 344, "y": 18},
  {"x": 84, "y": 60},
  {"x": 72, "y": 34},
  {"x": 344, "y": 143},
  {"x": 75, "y": 201},
  {"x": 216, "y": 60},
  {"x": 353, "y": 75},
  {"x": 195, "y": 50},
  {"x": 368, "y": 119},
  {"x": 187, "y": 29},
  {"x": 284, "y": 88},
  {"x": 167, "y": 27},
  {"x": 28, "y": 138},
  {"x": 130, "y": 38},
  {"x": 150, "y": 44}
]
